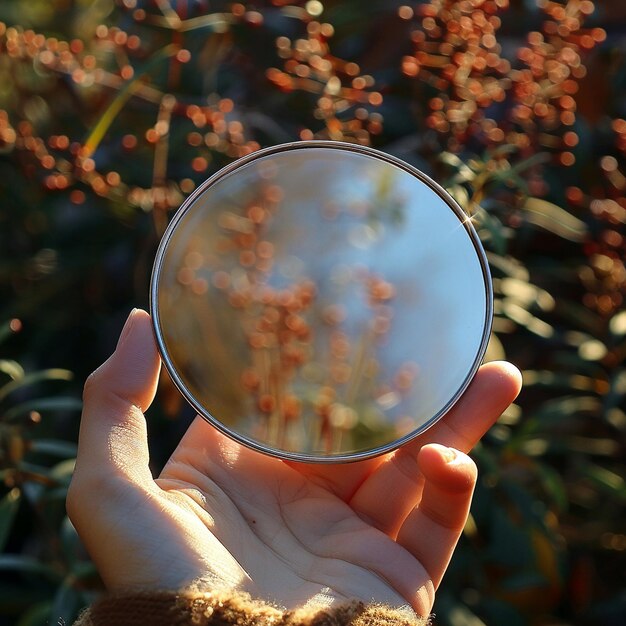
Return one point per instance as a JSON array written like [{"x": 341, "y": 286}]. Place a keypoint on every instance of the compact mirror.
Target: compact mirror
[{"x": 321, "y": 301}]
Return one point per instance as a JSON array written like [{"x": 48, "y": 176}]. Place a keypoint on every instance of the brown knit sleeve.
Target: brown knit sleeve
[{"x": 192, "y": 608}]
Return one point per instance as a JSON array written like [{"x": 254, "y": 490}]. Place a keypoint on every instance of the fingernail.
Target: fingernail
[
  {"x": 127, "y": 326},
  {"x": 449, "y": 454}
]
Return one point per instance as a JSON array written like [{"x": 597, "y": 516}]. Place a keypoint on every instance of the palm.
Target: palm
[{"x": 272, "y": 518}]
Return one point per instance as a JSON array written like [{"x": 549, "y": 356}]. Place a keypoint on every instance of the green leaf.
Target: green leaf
[
  {"x": 564, "y": 408},
  {"x": 508, "y": 266},
  {"x": 496, "y": 230},
  {"x": 554, "y": 219},
  {"x": 500, "y": 151},
  {"x": 464, "y": 172},
  {"x": 35, "y": 377},
  {"x": 551, "y": 413},
  {"x": 511, "y": 178},
  {"x": 218, "y": 22},
  {"x": 124, "y": 95},
  {"x": 520, "y": 315},
  {"x": 67, "y": 602},
  {"x": 55, "y": 447},
  {"x": 559, "y": 380},
  {"x": 525, "y": 293},
  {"x": 69, "y": 541},
  {"x": 60, "y": 403},
  {"x": 459, "y": 193},
  {"x": 63, "y": 471},
  {"x": 581, "y": 317},
  {"x": 12, "y": 369},
  {"x": 58, "y": 494},
  {"x": 9, "y": 506},
  {"x": 26, "y": 565},
  {"x": 607, "y": 479},
  {"x": 85, "y": 570},
  {"x": 495, "y": 349},
  {"x": 535, "y": 159}
]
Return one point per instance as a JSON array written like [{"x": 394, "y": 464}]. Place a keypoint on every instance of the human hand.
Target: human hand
[{"x": 227, "y": 517}]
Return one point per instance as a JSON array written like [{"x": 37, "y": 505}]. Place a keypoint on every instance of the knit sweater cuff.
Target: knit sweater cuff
[{"x": 191, "y": 608}]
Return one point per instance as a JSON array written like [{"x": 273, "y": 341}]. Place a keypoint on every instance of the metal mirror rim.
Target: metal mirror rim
[{"x": 346, "y": 147}]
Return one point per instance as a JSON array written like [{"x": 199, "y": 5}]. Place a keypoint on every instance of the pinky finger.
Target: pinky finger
[{"x": 432, "y": 529}]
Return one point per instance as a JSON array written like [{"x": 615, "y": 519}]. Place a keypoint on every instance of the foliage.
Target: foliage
[
  {"x": 112, "y": 112},
  {"x": 42, "y": 567}
]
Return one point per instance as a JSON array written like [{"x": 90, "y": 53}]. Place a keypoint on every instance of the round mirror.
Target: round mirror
[{"x": 321, "y": 301}]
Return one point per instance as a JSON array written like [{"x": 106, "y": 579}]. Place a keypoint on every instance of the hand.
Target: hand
[{"x": 227, "y": 517}]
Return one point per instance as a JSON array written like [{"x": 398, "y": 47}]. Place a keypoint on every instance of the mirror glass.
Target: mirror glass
[{"x": 321, "y": 301}]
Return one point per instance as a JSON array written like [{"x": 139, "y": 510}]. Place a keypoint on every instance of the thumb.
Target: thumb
[{"x": 113, "y": 437}]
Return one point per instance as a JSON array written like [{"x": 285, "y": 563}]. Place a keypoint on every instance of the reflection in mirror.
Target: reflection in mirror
[{"x": 321, "y": 301}]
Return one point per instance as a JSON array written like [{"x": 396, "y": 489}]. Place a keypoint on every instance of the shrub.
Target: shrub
[{"x": 112, "y": 112}]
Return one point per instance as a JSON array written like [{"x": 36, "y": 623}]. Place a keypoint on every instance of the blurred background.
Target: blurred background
[{"x": 113, "y": 111}]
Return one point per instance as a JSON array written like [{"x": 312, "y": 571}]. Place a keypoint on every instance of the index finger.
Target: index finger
[{"x": 388, "y": 495}]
